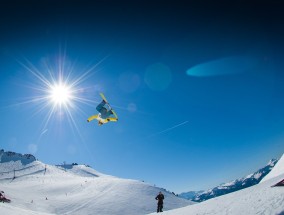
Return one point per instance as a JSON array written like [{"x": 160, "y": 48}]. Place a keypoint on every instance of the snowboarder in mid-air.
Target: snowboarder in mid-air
[
  {"x": 160, "y": 197},
  {"x": 105, "y": 112}
]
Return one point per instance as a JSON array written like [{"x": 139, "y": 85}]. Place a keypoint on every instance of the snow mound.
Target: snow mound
[
  {"x": 81, "y": 170},
  {"x": 37, "y": 188}
]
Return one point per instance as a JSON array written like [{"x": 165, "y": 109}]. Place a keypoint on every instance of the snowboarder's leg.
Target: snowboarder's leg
[
  {"x": 108, "y": 113},
  {"x": 100, "y": 106},
  {"x": 104, "y": 113}
]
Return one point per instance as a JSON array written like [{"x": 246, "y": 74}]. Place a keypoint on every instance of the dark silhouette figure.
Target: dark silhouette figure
[
  {"x": 160, "y": 197},
  {"x": 3, "y": 198}
]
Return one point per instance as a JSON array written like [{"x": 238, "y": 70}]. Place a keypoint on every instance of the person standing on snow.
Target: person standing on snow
[{"x": 160, "y": 197}]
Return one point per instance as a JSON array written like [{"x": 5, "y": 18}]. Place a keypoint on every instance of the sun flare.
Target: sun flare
[
  {"x": 58, "y": 93},
  {"x": 61, "y": 94}
]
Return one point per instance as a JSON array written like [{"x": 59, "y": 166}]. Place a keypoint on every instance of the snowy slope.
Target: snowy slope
[
  {"x": 258, "y": 199},
  {"x": 39, "y": 189},
  {"x": 276, "y": 171},
  {"x": 77, "y": 190}
]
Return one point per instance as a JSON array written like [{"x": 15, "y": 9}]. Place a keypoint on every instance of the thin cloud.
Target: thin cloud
[
  {"x": 43, "y": 132},
  {"x": 168, "y": 129}
]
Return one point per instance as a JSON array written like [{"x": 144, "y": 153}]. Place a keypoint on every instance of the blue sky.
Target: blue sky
[{"x": 198, "y": 88}]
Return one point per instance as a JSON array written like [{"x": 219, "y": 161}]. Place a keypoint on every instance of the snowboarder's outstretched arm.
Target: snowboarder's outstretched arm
[
  {"x": 92, "y": 118},
  {"x": 112, "y": 119}
]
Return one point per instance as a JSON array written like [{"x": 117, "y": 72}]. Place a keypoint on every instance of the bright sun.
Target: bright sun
[
  {"x": 60, "y": 94},
  {"x": 56, "y": 93}
]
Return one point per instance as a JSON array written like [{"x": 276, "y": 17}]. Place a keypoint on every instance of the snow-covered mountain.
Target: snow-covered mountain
[
  {"x": 38, "y": 188},
  {"x": 258, "y": 199},
  {"x": 232, "y": 186},
  {"x": 12, "y": 156}
]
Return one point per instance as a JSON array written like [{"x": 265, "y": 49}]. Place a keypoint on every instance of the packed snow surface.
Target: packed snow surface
[{"x": 39, "y": 189}]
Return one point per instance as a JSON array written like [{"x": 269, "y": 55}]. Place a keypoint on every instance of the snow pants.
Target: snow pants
[{"x": 160, "y": 207}]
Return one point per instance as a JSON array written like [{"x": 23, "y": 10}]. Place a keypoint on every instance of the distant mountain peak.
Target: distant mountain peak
[
  {"x": 13, "y": 156},
  {"x": 272, "y": 162}
]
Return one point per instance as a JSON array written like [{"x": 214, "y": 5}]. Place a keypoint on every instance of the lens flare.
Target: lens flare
[{"x": 224, "y": 66}]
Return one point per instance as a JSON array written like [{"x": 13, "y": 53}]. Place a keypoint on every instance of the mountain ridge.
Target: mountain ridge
[{"x": 232, "y": 186}]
